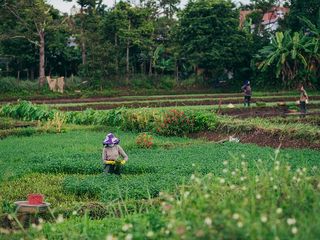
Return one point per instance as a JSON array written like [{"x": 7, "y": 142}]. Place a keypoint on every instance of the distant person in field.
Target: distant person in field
[
  {"x": 113, "y": 155},
  {"x": 303, "y": 100},
  {"x": 246, "y": 88}
]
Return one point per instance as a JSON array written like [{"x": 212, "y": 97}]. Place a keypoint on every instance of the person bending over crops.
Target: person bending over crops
[{"x": 113, "y": 155}]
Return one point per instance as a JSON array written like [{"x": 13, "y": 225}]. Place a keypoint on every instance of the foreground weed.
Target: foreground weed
[{"x": 276, "y": 203}]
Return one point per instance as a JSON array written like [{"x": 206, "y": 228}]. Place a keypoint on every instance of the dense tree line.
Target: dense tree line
[{"x": 203, "y": 43}]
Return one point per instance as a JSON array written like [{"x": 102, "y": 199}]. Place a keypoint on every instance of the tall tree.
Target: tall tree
[
  {"x": 63, "y": 56},
  {"x": 88, "y": 8},
  {"x": 32, "y": 18},
  {"x": 209, "y": 36},
  {"x": 131, "y": 29},
  {"x": 264, "y": 5},
  {"x": 169, "y": 7},
  {"x": 299, "y": 9}
]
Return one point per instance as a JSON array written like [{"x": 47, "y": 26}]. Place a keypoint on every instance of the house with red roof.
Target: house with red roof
[{"x": 270, "y": 20}]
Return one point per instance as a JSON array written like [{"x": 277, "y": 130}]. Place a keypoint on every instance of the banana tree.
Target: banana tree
[
  {"x": 160, "y": 61},
  {"x": 313, "y": 31},
  {"x": 287, "y": 55}
]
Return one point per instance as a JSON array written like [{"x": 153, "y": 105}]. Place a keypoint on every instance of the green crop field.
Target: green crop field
[
  {"x": 67, "y": 168},
  {"x": 175, "y": 185}
]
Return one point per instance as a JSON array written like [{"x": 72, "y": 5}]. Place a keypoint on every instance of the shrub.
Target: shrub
[
  {"x": 113, "y": 118},
  {"x": 141, "y": 82},
  {"x": 203, "y": 120},
  {"x": 189, "y": 83},
  {"x": 178, "y": 123},
  {"x": 139, "y": 120},
  {"x": 166, "y": 82},
  {"x": 144, "y": 140},
  {"x": 10, "y": 84},
  {"x": 56, "y": 123},
  {"x": 75, "y": 82},
  {"x": 28, "y": 85},
  {"x": 175, "y": 123}
]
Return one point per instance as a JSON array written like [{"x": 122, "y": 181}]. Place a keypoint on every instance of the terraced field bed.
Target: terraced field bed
[
  {"x": 258, "y": 165},
  {"x": 309, "y": 120},
  {"x": 271, "y": 111},
  {"x": 63, "y": 99},
  {"x": 170, "y": 103}
]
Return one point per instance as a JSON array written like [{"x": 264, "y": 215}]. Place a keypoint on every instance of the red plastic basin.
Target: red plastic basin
[{"x": 35, "y": 199}]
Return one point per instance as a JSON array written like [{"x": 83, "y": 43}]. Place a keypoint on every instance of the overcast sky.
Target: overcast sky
[{"x": 65, "y": 6}]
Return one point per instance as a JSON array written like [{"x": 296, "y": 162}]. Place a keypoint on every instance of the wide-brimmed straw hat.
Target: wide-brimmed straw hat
[{"x": 110, "y": 139}]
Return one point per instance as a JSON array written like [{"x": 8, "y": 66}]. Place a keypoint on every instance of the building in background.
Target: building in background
[{"x": 270, "y": 20}]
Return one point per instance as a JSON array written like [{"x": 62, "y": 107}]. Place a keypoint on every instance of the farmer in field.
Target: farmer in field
[
  {"x": 246, "y": 88},
  {"x": 113, "y": 155},
  {"x": 303, "y": 101}
]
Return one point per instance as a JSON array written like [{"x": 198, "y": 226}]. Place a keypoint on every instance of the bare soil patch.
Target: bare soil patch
[
  {"x": 265, "y": 111},
  {"x": 260, "y": 138}
]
